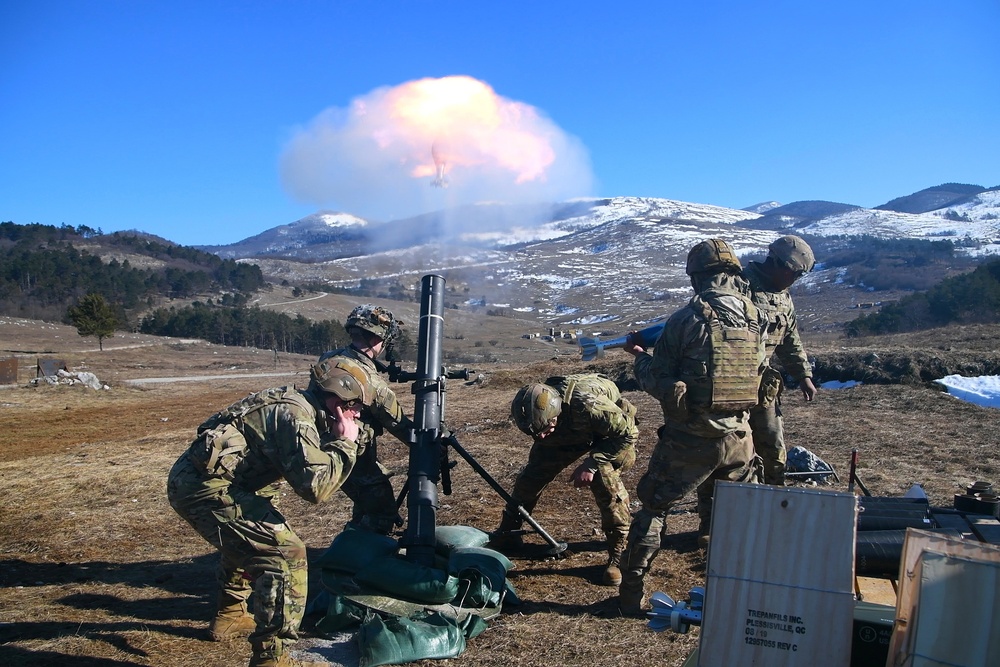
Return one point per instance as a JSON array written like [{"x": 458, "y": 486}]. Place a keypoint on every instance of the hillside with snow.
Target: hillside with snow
[{"x": 587, "y": 261}]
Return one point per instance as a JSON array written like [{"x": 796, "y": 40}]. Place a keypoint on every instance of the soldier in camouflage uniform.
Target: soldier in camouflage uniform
[
  {"x": 371, "y": 329},
  {"x": 705, "y": 371},
  {"x": 789, "y": 257},
  {"x": 569, "y": 417},
  {"x": 225, "y": 482}
]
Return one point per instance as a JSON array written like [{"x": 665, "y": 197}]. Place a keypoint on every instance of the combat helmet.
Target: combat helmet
[
  {"x": 535, "y": 407},
  {"x": 794, "y": 253},
  {"x": 342, "y": 377},
  {"x": 713, "y": 256},
  {"x": 375, "y": 320}
]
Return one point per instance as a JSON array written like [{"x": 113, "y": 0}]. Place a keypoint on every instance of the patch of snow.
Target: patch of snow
[
  {"x": 983, "y": 390},
  {"x": 837, "y": 384}
]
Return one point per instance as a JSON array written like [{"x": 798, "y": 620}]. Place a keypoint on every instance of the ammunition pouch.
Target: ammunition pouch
[
  {"x": 628, "y": 409},
  {"x": 217, "y": 451},
  {"x": 771, "y": 386},
  {"x": 367, "y": 437}
]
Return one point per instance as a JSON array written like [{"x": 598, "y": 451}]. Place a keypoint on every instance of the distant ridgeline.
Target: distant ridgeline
[
  {"x": 966, "y": 299},
  {"x": 42, "y": 272}
]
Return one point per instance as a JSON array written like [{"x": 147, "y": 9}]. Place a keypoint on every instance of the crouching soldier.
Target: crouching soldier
[
  {"x": 224, "y": 483},
  {"x": 569, "y": 417}
]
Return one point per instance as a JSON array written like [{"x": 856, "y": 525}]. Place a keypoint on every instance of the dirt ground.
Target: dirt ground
[{"x": 96, "y": 569}]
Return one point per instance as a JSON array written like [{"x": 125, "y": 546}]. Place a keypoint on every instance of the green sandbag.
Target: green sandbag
[
  {"x": 401, "y": 578},
  {"x": 354, "y": 549},
  {"x": 448, "y": 538},
  {"x": 340, "y": 615},
  {"x": 482, "y": 575},
  {"x": 339, "y": 583},
  {"x": 473, "y": 626},
  {"x": 398, "y": 640},
  {"x": 465, "y": 556}
]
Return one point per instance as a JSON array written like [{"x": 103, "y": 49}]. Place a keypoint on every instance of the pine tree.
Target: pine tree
[{"x": 93, "y": 316}]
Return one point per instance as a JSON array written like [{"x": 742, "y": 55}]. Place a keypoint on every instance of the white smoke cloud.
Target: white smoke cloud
[{"x": 379, "y": 157}]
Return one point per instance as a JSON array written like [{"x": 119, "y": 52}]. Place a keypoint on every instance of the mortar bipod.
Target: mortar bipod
[{"x": 555, "y": 548}]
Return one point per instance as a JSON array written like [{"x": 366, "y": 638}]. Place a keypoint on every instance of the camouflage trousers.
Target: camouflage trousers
[
  {"x": 257, "y": 550},
  {"x": 546, "y": 463},
  {"x": 769, "y": 441},
  {"x": 681, "y": 463},
  {"x": 371, "y": 492}
]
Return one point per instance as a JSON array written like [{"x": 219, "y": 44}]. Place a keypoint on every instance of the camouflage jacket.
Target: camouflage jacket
[
  {"x": 594, "y": 417},
  {"x": 274, "y": 434},
  {"x": 783, "y": 339},
  {"x": 384, "y": 413},
  {"x": 684, "y": 349}
]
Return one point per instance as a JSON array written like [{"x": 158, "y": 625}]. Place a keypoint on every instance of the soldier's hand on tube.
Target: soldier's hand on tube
[
  {"x": 582, "y": 476},
  {"x": 632, "y": 345},
  {"x": 343, "y": 425},
  {"x": 808, "y": 388}
]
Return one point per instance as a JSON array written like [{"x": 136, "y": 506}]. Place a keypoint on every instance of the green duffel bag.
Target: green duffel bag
[
  {"x": 354, "y": 549},
  {"x": 399, "y": 640},
  {"x": 403, "y": 579}
]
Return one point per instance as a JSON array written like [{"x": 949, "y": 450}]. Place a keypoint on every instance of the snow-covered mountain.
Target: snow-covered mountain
[
  {"x": 590, "y": 261},
  {"x": 322, "y": 235},
  {"x": 973, "y": 218},
  {"x": 586, "y": 261},
  {"x": 762, "y": 207}
]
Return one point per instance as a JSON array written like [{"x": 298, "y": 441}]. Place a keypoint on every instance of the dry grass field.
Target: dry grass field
[{"x": 96, "y": 569}]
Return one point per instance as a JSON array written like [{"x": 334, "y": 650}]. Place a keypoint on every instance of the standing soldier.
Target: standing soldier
[
  {"x": 223, "y": 485},
  {"x": 568, "y": 417},
  {"x": 705, "y": 371},
  {"x": 789, "y": 257},
  {"x": 372, "y": 329}
]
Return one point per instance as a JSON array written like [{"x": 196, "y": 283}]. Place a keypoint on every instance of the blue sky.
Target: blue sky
[{"x": 177, "y": 117}]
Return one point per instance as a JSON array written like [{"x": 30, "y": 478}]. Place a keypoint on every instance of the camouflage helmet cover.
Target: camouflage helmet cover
[
  {"x": 535, "y": 407},
  {"x": 713, "y": 255},
  {"x": 794, "y": 253},
  {"x": 342, "y": 377},
  {"x": 375, "y": 320}
]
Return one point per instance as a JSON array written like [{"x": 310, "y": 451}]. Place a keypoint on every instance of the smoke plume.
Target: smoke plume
[{"x": 432, "y": 144}]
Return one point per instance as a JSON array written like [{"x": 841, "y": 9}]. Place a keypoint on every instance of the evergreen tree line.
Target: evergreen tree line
[
  {"x": 254, "y": 327},
  {"x": 969, "y": 298},
  {"x": 42, "y": 272},
  {"x": 247, "y": 327}
]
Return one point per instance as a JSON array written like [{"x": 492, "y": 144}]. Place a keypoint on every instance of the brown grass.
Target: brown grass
[{"x": 96, "y": 569}]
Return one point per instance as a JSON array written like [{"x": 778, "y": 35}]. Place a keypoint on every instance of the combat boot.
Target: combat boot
[
  {"x": 268, "y": 658},
  {"x": 507, "y": 537},
  {"x": 703, "y": 532},
  {"x": 612, "y": 575},
  {"x": 232, "y": 620},
  {"x": 631, "y": 598}
]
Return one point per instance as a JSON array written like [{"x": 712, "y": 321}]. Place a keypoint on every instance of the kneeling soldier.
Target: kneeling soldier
[{"x": 223, "y": 485}]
